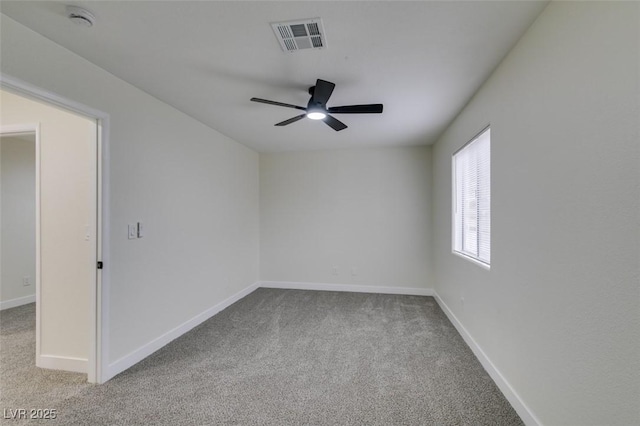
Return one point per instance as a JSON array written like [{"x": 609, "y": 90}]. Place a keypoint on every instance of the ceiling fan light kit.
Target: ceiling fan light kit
[
  {"x": 317, "y": 107},
  {"x": 316, "y": 115}
]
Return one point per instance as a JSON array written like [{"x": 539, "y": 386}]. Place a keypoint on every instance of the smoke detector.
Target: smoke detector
[
  {"x": 80, "y": 16},
  {"x": 301, "y": 34}
]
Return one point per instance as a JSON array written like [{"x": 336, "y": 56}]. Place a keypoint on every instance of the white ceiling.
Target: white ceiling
[{"x": 422, "y": 60}]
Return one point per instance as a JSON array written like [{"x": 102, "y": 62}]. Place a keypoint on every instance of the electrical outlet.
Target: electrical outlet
[
  {"x": 26, "y": 281},
  {"x": 354, "y": 271},
  {"x": 334, "y": 270},
  {"x": 133, "y": 232}
]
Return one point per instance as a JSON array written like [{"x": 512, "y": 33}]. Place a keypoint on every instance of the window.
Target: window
[{"x": 472, "y": 199}]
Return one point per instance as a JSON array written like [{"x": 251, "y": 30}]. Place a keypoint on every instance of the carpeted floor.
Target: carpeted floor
[{"x": 276, "y": 357}]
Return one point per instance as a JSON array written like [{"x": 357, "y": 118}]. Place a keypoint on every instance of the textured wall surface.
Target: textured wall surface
[
  {"x": 18, "y": 217},
  {"x": 195, "y": 190},
  {"x": 366, "y": 209},
  {"x": 558, "y": 313}
]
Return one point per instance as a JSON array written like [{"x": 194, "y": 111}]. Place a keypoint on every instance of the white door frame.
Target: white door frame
[{"x": 97, "y": 366}]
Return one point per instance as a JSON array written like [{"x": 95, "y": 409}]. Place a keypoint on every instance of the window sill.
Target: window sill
[{"x": 472, "y": 260}]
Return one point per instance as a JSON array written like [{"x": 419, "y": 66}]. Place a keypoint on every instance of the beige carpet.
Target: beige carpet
[{"x": 276, "y": 357}]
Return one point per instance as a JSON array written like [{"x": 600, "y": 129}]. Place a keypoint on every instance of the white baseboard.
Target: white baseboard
[
  {"x": 144, "y": 351},
  {"x": 19, "y": 301},
  {"x": 347, "y": 287},
  {"x": 53, "y": 362},
  {"x": 512, "y": 396}
]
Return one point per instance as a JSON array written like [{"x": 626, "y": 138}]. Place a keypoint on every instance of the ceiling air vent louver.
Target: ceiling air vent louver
[{"x": 299, "y": 35}]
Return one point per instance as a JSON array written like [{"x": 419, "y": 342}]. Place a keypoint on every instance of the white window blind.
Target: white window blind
[{"x": 472, "y": 198}]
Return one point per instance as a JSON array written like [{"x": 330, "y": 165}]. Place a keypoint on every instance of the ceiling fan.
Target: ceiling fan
[{"x": 317, "y": 107}]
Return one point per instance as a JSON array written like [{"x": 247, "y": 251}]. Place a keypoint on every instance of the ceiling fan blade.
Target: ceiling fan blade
[
  {"x": 266, "y": 101},
  {"x": 291, "y": 120},
  {"x": 322, "y": 92},
  {"x": 335, "y": 124},
  {"x": 356, "y": 109}
]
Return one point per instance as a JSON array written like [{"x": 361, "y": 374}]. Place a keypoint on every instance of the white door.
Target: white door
[{"x": 66, "y": 158}]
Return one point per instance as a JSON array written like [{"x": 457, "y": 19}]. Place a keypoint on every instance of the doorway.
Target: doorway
[
  {"x": 66, "y": 229},
  {"x": 17, "y": 219}
]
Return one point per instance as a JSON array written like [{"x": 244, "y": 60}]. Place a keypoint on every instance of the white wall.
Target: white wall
[
  {"x": 558, "y": 314},
  {"x": 195, "y": 190},
  {"x": 18, "y": 217},
  {"x": 359, "y": 208}
]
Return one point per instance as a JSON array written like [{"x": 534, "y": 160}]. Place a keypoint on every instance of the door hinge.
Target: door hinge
[{"x": 99, "y": 265}]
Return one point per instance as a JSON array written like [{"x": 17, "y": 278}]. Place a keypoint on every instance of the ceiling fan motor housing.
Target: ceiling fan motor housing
[{"x": 317, "y": 107}]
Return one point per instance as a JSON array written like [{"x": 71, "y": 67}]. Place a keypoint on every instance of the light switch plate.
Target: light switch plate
[
  {"x": 133, "y": 232},
  {"x": 140, "y": 230}
]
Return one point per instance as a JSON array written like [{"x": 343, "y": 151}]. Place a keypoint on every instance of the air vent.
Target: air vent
[{"x": 300, "y": 35}]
